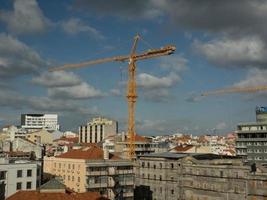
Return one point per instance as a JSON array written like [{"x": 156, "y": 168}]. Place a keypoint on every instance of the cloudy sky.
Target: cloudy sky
[{"x": 219, "y": 44}]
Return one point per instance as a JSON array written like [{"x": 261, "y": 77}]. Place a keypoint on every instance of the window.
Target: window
[
  {"x": 148, "y": 164},
  {"x": 155, "y": 177},
  {"x": 160, "y": 178},
  {"x": 221, "y": 173},
  {"x": 172, "y": 191},
  {"x": 143, "y": 164},
  {"x": 29, "y": 173},
  {"x": 38, "y": 172},
  {"x": 29, "y": 185},
  {"x": 19, "y": 184},
  {"x": 72, "y": 178},
  {"x": 154, "y": 166},
  {"x": 172, "y": 165},
  {"x": 160, "y": 165},
  {"x": 2, "y": 175},
  {"x": 19, "y": 173},
  {"x": 78, "y": 179}
]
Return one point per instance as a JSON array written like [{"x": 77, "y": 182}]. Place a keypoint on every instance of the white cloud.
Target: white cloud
[
  {"x": 16, "y": 58},
  {"x": 81, "y": 91},
  {"x": 175, "y": 63},
  {"x": 115, "y": 92},
  {"x": 149, "y": 81},
  {"x": 255, "y": 77},
  {"x": 57, "y": 79},
  {"x": 74, "y": 26},
  {"x": 16, "y": 101},
  {"x": 26, "y": 18},
  {"x": 242, "y": 52}
]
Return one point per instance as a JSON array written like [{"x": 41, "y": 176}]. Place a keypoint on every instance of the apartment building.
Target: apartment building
[
  {"x": 33, "y": 122},
  {"x": 251, "y": 143},
  {"x": 89, "y": 169},
  {"x": 172, "y": 176},
  {"x": 97, "y": 130},
  {"x": 142, "y": 144},
  {"x": 18, "y": 175}
]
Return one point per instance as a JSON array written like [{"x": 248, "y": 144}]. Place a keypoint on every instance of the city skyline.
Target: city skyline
[{"x": 215, "y": 49}]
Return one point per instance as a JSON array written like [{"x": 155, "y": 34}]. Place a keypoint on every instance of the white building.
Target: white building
[
  {"x": 18, "y": 175},
  {"x": 32, "y": 122},
  {"x": 97, "y": 130}
]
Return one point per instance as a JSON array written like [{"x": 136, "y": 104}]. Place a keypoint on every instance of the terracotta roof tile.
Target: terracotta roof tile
[
  {"x": 182, "y": 148},
  {"x": 36, "y": 195},
  {"x": 90, "y": 152},
  {"x": 71, "y": 139}
]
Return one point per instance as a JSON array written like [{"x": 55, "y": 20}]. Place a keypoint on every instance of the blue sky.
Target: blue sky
[{"x": 219, "y": 45}]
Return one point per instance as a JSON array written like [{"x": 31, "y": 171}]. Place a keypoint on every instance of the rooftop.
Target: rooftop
[
  {"x": 53, "y": 184},
  {"x": 182, "y": 148},
  {"x": 91, "y": 152},
  {"x": 198, "y": 156},
  {"x": 36, "y": 195}
]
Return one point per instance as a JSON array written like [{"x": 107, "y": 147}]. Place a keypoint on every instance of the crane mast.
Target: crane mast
[{"x": 132, "y": 85}]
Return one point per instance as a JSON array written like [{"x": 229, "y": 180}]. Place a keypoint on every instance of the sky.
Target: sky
[{"x": 220, "y": 44}]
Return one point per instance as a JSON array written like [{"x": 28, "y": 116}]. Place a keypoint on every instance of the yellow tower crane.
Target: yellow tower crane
[
  {"x": 131, "y": 93},
  {"x": 236, "y": 90}
]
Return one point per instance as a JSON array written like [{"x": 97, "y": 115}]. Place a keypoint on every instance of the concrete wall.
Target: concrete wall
[{"x": 12, "y": 179}]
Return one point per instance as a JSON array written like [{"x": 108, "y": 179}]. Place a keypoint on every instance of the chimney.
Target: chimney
[{"x": 105, "y": 152}]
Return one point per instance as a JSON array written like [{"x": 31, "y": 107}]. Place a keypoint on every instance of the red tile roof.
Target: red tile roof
[
  {"x": 91, "y": 152},
  {"x": 182, "y": 148},
  {"x": 36, "y": 195},
  {"x": 68, "y": 139}
]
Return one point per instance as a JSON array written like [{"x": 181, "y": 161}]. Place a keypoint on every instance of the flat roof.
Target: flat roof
[
  {"x": 252, "y": 124},
  {"x": 198, "y": 156}
]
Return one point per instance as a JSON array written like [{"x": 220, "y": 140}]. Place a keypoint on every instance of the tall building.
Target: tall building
[
  {"x": 90, "y": 169},
  {"x": 176, "y": 176},
  {"x": 33, "y": 122},
  {"x": 251, "y": 143},
  {"x": 18, "y": 175},
  {"x": 97, "y": 130}
]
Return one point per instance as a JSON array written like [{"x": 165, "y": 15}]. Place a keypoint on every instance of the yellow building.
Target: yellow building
[
  {"x": 42, "y": 137},
  {"x": 85, "y": 169}
]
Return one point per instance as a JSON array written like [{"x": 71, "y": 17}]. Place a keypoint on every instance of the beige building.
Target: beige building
[
  {"x": 176, "y": 176},
  {"x": 191, "y": 149},
  {"x": 97, "y": 130},
  {"x": 142, "y": 144},
  {"x": 41, "y": 137},
  {"x": 86, "y": 170}
]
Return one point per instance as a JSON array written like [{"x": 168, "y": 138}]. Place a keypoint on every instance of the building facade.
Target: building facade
[
  {"x": 18, "y": 175},
  {"x": 86, "y": 170},
  {"x": 97, "y": 130},
  {"x": 33, "y": 122},
  {"x": 251, "y": 143},
  {"x": 172, "y": 176}
]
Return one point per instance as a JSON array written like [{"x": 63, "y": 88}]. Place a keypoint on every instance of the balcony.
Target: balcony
[
  {"x": 96, "y": 173},
  {"x": 111, "y": 171},
  {"x": 96, "y": 185}
]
